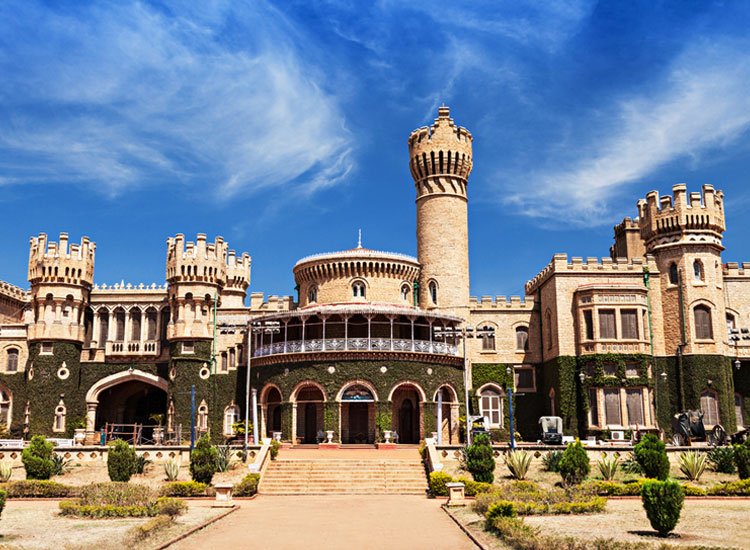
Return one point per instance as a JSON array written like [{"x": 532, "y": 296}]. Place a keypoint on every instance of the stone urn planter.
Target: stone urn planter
[
  {"x": 159, "y": 435},
  {"x": 329, "y": 436},
  {"x": 387, "y": 435},
  {"x": 79, "y": 436}
]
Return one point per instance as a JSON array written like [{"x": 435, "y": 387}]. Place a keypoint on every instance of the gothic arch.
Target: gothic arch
[
  {"x": 92, "y": 396},
  {"x": 420, "y": 391},
  {"x": 305, "y": 384},
  {"x": 348, "y": 384}
]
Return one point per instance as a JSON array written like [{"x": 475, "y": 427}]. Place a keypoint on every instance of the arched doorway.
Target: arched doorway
[
  {"x": 357, "y": 413},
  {"x": 407, "y": 420},
  {"x": 449, "y": 397},
  {"x": 309, "y": 401},
  {"x": 273, "y": 411}
]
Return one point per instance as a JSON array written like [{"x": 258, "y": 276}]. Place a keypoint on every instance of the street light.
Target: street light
[
  {"x": 463, "y": 333},
  {"x": 737, "y": 364}
]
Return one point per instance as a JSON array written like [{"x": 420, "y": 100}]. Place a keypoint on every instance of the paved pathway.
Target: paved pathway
[{"x": 333, "y": 522}]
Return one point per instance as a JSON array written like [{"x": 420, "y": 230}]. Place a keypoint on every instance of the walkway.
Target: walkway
[{"x": 333, "y": 522}]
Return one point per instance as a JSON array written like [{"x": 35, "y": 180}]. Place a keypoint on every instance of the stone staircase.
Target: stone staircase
[{"x": 341, "y": 476}]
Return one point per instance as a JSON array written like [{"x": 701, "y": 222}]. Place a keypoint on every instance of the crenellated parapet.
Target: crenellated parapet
[
  {"x": 197, "y": 261},
  {"x": 734, "y": 270},
  {"x": 258, "y": 303},
  {"x": 13, "y": 292},
  {"x": 55, "y": 262},
  {"x": 486, "y": 303},
  {"x": 591, "y": 265},
  {"x": 684, "y": 218},
  {"x": 237, "y": 279},
  {"x": 628, "y": 241}
]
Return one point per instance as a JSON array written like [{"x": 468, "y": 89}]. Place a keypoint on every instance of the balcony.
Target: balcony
[
  {"x": 132, "y": 349},
  {"x": 356, "y": 344},
  {"x": 615, "y": 347}
]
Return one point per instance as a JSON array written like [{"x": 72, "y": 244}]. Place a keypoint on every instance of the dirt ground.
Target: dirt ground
[
  {"x": 703, "y": 522},
  {"x": 36, "y": 525}
]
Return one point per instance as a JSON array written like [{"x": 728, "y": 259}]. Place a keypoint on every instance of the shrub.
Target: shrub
[
  {"x": 693, "y": 464},
  {"x": 184, "y": 489},
  {"x": 6, "y": 470},
  {"x": 722, "y": 459},
  {"x": 140, "y": 533},
  {"x": 518, "y": 463},
  {"x": 3, "y": 497},
  {"x": 741, "y": 487},
  {"x": 480, "y": 460},
  {"x": 60, "y": 465},
  {"x": 248, "y": 486},
  {"x": 171, "y": 468},
  {"x": 473, "y": 488},
  {"x": 551, "y": 461},
  {"x": 663, "y": 503},
  {"x": 171, "y": 506},
  {"x": 437, "y": 484},
  {"x": 275, "y": 446},
  {"x": 69, "y": 508},
  {"x": 693, "y": 491},
  {"x": 37, "y": 488},
  {"x": 501, "y": 509},
  {"x": 203, "y": 461},
  {"x": 742, "y": 459},
  {"x": 652, "y": 457},
  {"x": 116, "y": 493},
  {"x": 37, "y": 458},
  {"x": 608, "y": 466},
  {"x": 574, "y": 465},
  {"x": 630, "y": 465},
  {"x": 120, "y": 461},
  {"x": 141, "y": 463}
]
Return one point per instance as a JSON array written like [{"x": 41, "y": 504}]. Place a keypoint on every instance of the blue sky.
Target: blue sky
[{"x": 283, "y": 127}]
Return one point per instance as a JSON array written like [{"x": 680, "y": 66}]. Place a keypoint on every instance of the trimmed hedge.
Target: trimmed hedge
[
  {"x": 37, "y": 488},
  {"x": 121, "y": 461},
  {"x": 663, "y": 502},
  {"x": 69, "y": 508},
  {"x": 184, "y": 489},
  {"x": 471, "y": 488},
  {"x": 248, "y": 486},
  {"x": 741, "y": 487}
]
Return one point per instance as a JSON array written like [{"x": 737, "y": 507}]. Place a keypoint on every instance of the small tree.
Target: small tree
[
  {"x": 742, "y": 459},
  {"x": 574, "y": 465},
  {"x": 204, "y": 461},
  {"x": 37, "y": 458},
  {"x": 652, "y": 457},
  {"x": 121, "y": 461},
  {"x": 662, "y": 501},
  {"x": 480, "y": 460}
]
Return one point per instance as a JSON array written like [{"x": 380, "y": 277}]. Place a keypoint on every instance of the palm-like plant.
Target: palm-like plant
[
  {"x": 693, "y": 464},
  {"x": 518, "y": 463},
  {"x": 608, "y": 466}
]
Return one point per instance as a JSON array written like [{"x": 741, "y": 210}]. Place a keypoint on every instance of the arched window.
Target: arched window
[
  {"x": 433, "y": 292},
  {"x": 697, "y": 270},
  {"x": 730, "y": 326},
  {"x": 202, "y": 417},
  {"x": 491, "y": 406},
  {"x": 60, "y": 411},
  {"x": 358, "y": 289},
  {"x": 224, "y": 362},
  {"x": 710, "y": 407},
  {"x": 703, "y": 330},
  {"x": 11, "y": 361},
  {"x": 522, "y": 338},
  {"x": 405, "y": 291},
  {"x": 5, "y": 403},
  {"x": 135, "y": 325},
  {"x": 231, "y": 416},
  {"x": 232, "y": 358},
  {"x": 488, "y": 338},
  {"x": 151, "y": 317},
  {"x": 119, "y": 325},
  {"x": 738, "y": 410},
  {"x": 673, "y": 278},
  {"x": 312, "y": 294},
  {"x": 103, "y": 328}
]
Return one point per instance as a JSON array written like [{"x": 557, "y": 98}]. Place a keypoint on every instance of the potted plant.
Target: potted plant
[{"x": 158, "y": 419}]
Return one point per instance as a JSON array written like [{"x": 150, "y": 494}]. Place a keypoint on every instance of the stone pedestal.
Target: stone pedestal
[
  {"x": 223, "y": 495},
  {"x": 456, "y": 495}
]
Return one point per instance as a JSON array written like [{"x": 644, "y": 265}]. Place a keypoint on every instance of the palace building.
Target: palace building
[{"x": 374, "y": 341}]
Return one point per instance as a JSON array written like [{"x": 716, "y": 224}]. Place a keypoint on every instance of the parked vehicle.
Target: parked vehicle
[
  {"x": 552, "y": 430},
  {"x": 688, "y": 427}
]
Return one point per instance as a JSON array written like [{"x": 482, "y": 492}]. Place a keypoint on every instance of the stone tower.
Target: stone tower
[
  {"x": 684, "y": 235},
  {"x": 61, "y": 279},
  {"x": 440, "y": 163},
  {"x": 197, "y": 272}
]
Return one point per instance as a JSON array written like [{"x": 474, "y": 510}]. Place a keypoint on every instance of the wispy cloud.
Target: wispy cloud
[
  {"x": 702, "y": 103},
  {"x": 127, "y": 95}
]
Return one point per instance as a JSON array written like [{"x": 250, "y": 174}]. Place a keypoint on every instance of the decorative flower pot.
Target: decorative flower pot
[
  {"x": 277, "y": 436},
  {"x": 79, "y": 436},
  {"x": 387, "y": 435},
  {"x": 159, "y": 435},
  {"x": 329, "y": 436}
]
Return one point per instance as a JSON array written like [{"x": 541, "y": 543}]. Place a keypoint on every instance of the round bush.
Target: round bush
[
  {"x": 662, "y": 501},
  {"x": 248, "y": 486},
  {"x": 204, "y": 461},
  {"x": 574, "y": 465},
  {"x": 480, "y": 460},
  {"x": 652, "y": 457},
  {"x": 37, "y": 458},
  {"x": 742, "y": 459},
  {"x": 121, "y": 461}
]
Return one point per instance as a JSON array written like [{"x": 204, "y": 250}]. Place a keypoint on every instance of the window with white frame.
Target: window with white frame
[
  {"x": 703, "y": 329},
  {"x": 697, "y": 271},
  {"x": 59, "y": 425},
  {"x": 11, "y": 360},
  {"x": 46, "y": 348},
  {"x": 358, "y": 289},
  {"x": 612, "y": 409},
  {"x": 710, "y": 407},
  {"x": 607, "y": 329},
  {"x": 188, "y": 347},
  {"x": 5, "y": 403},
  {"x": 606, "y": 407},
  {"x": 738, "y": 410},
  {"x": 231, "y": 416},
  {"x": 312, "y": 294},
  {"x": 202, "y": 420},
  {"x": 433, "y": 292},
  {"x": 634, "y": 405},
  {"x": 405, "y": 291},
  {"x": 232, "y": 358},
  {"x": 629, "y": 322},
  {"x": 491, "y": 406},
  {"x": 525, "y": 379}
]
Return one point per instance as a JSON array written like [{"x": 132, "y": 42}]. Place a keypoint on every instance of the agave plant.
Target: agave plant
[
  {"x": 608, "y": 466},
  {"x": 6, "y": 469},
  {"x": 693, "y": 464},
  {"x": 171, "y": 468},
  {"x": 518, "y": 463},
  {"x": 224, "y": 457}
]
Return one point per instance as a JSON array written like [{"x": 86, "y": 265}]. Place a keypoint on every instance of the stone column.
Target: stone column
[
  {"x": 91, "y": 422},
  {"x": 95, "y": 330}
]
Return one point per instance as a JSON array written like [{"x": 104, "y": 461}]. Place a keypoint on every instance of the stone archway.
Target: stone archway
[
  {"x": 308, "y": 403},
  {"x": 127, "y": 397},
  {"x": 357, "y": 411},
  {"x": 450, "y": 424},
  {"x": 407, "y": 402}
]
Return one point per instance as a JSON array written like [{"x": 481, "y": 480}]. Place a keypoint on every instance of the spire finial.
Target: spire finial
[{"x": 359, "y": 240}]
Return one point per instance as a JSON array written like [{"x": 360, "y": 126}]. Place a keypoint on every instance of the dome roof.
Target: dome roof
[{"x": 358, "y": 253}]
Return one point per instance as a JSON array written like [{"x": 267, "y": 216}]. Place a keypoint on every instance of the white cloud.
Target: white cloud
[
  {"x": 703, "y": 103},
  {"x": 127, "y": 96}
]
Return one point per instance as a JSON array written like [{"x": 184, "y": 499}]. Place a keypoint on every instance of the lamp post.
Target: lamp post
[{"x": 462, "y": 333}]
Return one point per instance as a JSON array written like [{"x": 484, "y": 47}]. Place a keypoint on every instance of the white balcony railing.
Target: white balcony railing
[
  {"x": 356, "y": 344},
  {"x": 147, "y": 348}
]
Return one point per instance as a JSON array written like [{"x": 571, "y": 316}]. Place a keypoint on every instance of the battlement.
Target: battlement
[
  {"x": 55, "y": 262},
  {"x": 485, "y": 303},
  {"x": 274, "y": 303},
  {"x": 591, "y": 265},
  {"x": 196, "y": 261},
  {"x": 443, "y": 149},
  {"x": 664, "y": 219},
  {"x": 736, "y": 270},
  {"x": 122, "y": 287},
  {"x": 13, "y": 292},
  {"x": 238, "y": 271}
]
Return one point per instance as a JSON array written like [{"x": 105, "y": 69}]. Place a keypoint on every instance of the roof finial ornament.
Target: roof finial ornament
[{"x": 359, "y": 239}]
